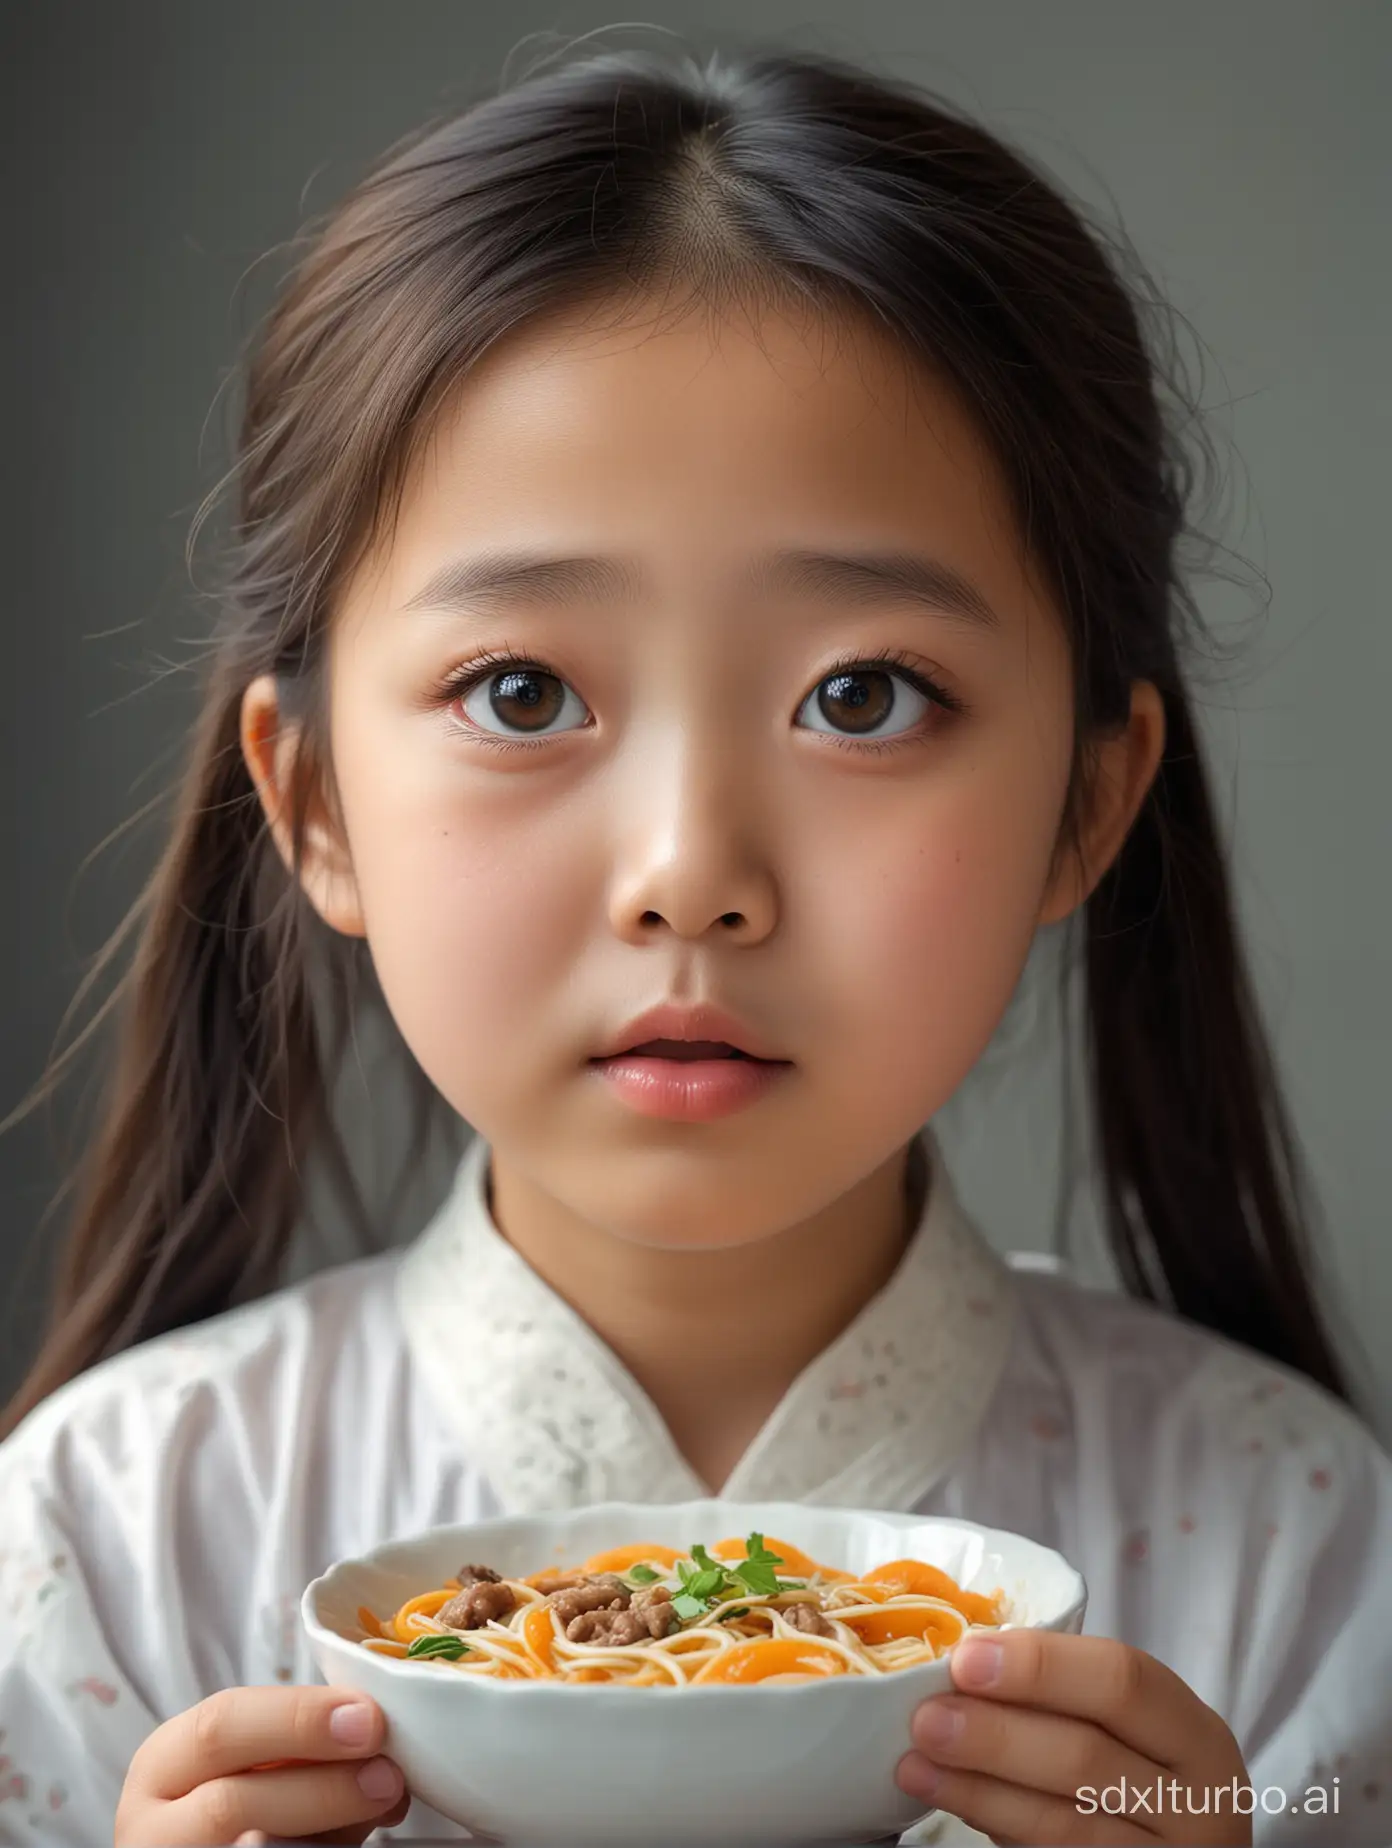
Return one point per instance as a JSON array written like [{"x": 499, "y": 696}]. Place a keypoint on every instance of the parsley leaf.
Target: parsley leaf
[
  {"x": 756, "y": 1569},
  {"x": 643, "y": 1575},
  {"x": 706, "y": 1584},
  {"x": 706, "y": 1581},
  {"x": 448, "y": 1647}
]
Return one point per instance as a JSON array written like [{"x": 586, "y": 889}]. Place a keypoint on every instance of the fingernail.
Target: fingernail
[
  {"x": 977, "y": 1663},
  {"x": 352, "y": 1724},
  {"x": 937, "y": 1723},
  {"x": 918, "y": 1778},
  {"x": 379, "y": 1778}
]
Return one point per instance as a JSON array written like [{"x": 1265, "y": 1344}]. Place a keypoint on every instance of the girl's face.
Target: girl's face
[{"x": 692, "y": 793}]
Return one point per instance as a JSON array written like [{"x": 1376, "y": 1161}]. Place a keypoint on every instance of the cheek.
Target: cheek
[
  {"x": 925, "y": 931},
  {"x": 472, "y": 904}
]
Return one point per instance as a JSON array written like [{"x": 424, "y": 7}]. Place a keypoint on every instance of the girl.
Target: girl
[{"x": 704, "y": 579}]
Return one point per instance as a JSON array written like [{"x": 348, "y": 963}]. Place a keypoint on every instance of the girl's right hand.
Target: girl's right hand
[{"x": 219, "y": 1773}]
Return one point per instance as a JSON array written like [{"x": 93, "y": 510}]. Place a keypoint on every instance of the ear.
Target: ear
[
  {"x": 1122, "y": 769},
  {"x": 271, "y": 747}
]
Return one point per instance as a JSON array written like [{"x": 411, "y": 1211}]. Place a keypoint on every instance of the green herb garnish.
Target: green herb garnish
[
  {"x": 447, "y": 1648},
  {"x": 706, "y": 1582},
  {"x": 735, "y": 1610},
  {"x": 643, "y": 1575},
  {"x": 756, "y": 1569}
]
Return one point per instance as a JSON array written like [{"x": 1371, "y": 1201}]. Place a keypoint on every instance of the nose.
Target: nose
[{"x": 687, "y": 859}]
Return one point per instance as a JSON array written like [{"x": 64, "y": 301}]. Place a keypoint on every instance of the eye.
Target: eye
[
  {"x": 873, "y": 700},
  {"x": 518, "y": 700}
]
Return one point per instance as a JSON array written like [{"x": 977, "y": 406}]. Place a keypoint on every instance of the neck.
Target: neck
[{"x": 694, "y": 1327}]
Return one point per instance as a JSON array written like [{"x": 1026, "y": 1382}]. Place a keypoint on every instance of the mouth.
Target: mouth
[
  {"x": 684, "y": 1051},
  {"x": 688, "y": 1080},
  {"x": 671, "y": 1034}
]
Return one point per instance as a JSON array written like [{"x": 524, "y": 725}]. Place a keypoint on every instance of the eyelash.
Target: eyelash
[{"x": 461, "y": 681}]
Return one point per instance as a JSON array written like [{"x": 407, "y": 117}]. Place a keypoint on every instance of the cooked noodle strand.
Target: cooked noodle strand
[{"x": 892, "y": 1618}]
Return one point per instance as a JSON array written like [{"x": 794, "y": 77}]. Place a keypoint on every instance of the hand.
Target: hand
[
  {"x": 1043, "y": 1723},
  {"x": 251, "y": 1765}
]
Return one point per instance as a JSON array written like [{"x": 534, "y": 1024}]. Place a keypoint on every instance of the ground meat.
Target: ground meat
[
  {"x": 476, "y": 1575},
  {"x": 603, "y": 1591},
  {"x": 806, "y": 1616},
  {"x": 618, "y": 1628},
  {"x": 477, "y": 1605},
  {"x": 654, "y": 1603}
]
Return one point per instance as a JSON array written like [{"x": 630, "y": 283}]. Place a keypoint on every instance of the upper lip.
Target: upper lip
[{"x": 672, "y": 1022}]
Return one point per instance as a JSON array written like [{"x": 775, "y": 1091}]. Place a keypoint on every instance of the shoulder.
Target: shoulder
[
  {"x": 1184, "y": 1444},
  {"x": 182, "y": 1403},
  {"x": 229, "y": 1362},
  {"x": 1176, "y": 1390}
]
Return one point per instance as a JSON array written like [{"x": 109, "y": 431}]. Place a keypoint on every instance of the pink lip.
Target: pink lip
[
  {"x": 689, "y": 1090},
  {"x": 673, "y": 1022}
]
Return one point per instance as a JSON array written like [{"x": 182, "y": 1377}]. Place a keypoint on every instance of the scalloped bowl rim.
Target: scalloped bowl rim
[{"x": 387, "y": 1552}]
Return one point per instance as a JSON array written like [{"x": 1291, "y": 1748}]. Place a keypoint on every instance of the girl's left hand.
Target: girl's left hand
[{"x": 1043, "y": 1724}]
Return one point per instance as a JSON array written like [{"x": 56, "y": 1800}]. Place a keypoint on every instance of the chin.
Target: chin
[{"x": 682, "y": 1210}]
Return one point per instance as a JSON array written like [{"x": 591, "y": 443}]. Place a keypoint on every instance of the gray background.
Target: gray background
[{"x": 155, "y": 151}]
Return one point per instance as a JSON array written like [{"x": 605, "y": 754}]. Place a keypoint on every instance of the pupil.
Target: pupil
[
  {"x": 869, "y": 695},
  {"x": 524, "y": 688}
]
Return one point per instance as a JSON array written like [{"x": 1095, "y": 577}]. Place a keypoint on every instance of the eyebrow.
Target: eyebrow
[{"x": 495, "y": 580}]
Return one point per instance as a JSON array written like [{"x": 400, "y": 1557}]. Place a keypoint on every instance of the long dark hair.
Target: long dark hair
[{"x": 773, "y": 175}]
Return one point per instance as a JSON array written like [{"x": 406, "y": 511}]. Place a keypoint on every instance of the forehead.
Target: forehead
[{"x": 698, "y": 438}]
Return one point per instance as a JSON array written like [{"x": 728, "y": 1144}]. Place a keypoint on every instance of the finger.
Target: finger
[
  {"x": 280, "y": 1804},
  {"x": 238, "y": 1728},
  {"x": 1041, "y": 1751},
  {"x": 355, "y": 1837},
  {"x": 1128, "y": 1693},
  {"x": 1009, "y": 1812}
]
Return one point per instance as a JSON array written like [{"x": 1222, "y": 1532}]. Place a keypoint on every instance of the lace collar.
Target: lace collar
[{"x": 551, "y": 1417}]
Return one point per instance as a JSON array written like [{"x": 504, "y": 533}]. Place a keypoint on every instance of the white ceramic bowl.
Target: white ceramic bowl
[{"x": 613, "y": 1767}]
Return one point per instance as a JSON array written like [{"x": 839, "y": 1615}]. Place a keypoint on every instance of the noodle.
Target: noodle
[{"x": 731, "y": 1613}]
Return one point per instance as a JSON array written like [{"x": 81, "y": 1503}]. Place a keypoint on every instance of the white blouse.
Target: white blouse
[{"x": 160, "y": 1515}]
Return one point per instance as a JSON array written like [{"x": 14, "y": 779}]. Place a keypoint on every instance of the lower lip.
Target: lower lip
[{"x": 689, "y": 1090}]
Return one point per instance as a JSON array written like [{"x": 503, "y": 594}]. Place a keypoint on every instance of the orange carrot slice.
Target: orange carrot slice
[
  {"x": 924, "y": 1581},
  {"x": 539, "y": 1634},
  {"x": 756, "y": 1661},
  {"x": 795, "y": 1562},
  {"x": 425, "y": 1605},
  {"x": 893, "y": 1622},
  {"x": 620, "y": 1558},
  {"x": 368, "y": 1621}
]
